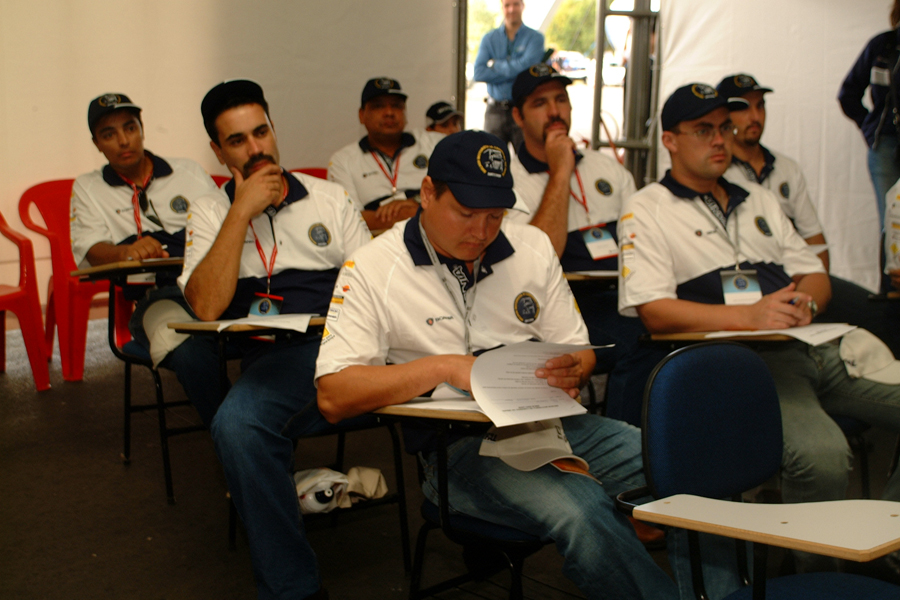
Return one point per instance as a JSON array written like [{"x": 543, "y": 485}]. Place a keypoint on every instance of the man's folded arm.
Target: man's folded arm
[{"x": 359, "y": 389}]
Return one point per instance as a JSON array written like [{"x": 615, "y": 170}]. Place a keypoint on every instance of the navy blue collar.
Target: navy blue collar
[
  {"x": 406, "y": 140},
  {"x": 533, "y": 165},
  {"x": 497, "y": 251},
  {"x": 160, "y": 169},
  {"x": 296, "y": 190},
  {"x": 767, "y": 169},
  {"x": 736, "y": 194}
]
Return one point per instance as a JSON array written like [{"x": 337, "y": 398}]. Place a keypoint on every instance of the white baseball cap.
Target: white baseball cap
[
  {"x": 529, "y": 446},
  {"x": 866, "y": 356}
]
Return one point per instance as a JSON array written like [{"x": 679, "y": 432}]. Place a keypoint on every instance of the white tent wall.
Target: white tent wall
[
  {"x": 802, "y": 49},
  {"x": 312, "y": 59}
]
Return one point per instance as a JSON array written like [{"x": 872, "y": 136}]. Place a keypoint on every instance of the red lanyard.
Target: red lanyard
[
  {"x": 135, "y": 200},
  {"x": 270, "y": 266},
  {"x": 583, "y": 200},
  {"x": 392, "y": 179},
  {"x": 271, "y": 263}
]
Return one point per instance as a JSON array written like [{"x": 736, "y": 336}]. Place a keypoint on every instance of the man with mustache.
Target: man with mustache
[
  {"x": 269, "y": 242},
  {"x": 384, "y": 170},
  {"x": 135, "y": 208},
  {"x": 699, "y": 253},
  {"x": 574, "y": 196},
  {"x": 781, "y": 175}
]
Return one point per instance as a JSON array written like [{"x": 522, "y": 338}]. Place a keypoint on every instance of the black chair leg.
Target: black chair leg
[
  {"x": 232, "y": 524},
  {"x": 126, "y": 441},
  {"x": 415, "y": 579},
  {"x": 163, "y": 436},
  {"x": 403, "y": 515}
]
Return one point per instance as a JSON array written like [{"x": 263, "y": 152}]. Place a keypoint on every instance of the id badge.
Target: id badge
[
  {"x": 265, "y": 305},
  {"x": 599, "y": 242},
  {"x": 880, "y": 76},
  {"x": 740, "y": 287}
]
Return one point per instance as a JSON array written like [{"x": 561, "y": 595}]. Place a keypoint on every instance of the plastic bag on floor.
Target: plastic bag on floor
[{"x": 323, "y": 490}]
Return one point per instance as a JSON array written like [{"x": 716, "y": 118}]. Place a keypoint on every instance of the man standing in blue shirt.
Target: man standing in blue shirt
[{"x": 504, "y": 53}]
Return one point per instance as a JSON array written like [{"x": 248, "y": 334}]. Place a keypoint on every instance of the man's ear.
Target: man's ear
[
  {"x": 361, "y": 111},
  {"x": 218, "y": 151},
  {"x": 426, "y": 193},
  {"x": 669, "y": 141},
  {"x": 517, "y": 116}
]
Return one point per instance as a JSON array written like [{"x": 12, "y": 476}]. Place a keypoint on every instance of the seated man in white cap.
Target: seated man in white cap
[{"x": 405, "y": 319}]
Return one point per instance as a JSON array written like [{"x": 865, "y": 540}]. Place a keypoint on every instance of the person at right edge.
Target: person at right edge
[{"x": 875, "y": 69}]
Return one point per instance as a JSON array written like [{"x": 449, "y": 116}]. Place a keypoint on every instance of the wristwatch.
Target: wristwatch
[{"x": 813, "y": 308}]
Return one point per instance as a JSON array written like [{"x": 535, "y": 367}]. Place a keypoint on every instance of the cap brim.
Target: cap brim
[
  {"x": 538, "y": 457},
  {"x": 889, "y": 374},
  {"x": 447, "y": 118},
  {"x": 482, "y": 196}
]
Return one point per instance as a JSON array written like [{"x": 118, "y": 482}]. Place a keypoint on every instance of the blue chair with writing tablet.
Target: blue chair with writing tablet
[{"x": 711, "y": 428}]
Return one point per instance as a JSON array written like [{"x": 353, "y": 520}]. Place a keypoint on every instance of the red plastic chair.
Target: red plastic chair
[
  {"x": 68, "y": 299},
  {"x": 23, "y": 300},
  {"x": 314, "y": 171}
]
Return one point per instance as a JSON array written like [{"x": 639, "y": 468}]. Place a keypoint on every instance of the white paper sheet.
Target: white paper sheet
[
  {"x": 506, "y": 389},
  {"x": 293, "y": 322},
  {"x": 814, "y": 334},
  {"x": 598, "y": 274}
]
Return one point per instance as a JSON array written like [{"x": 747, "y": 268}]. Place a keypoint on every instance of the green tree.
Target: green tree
[
  {"x": 484, "y": 15},
  {"x": 573, "y": 27}
]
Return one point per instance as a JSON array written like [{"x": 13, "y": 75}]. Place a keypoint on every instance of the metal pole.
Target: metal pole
[{"x": 461, "y": 17}]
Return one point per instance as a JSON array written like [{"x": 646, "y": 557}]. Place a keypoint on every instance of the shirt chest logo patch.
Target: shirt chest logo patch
[
  {"x": 604, "y": 187},
  {"x": 179, "y": 205},
  {"x": 319, "y": 235},
  {"x": 526, "y": 307},
  {"x": 420, "y": 162},
  {"x": 785, "y": 190},
  {"x": 763, "y": 226}
]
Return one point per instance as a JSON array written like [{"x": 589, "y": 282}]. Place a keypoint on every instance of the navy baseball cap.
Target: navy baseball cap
[
  {"x": 475, "y": 166},
  {"x": 691, "y": 102},
  {"x": 107, "y": 103},
  {"x": 440, "y": 112},
  {"x": 381, "y": 86},
  {"x": 734, "y": 87},
  {"x": 537, "y": 74},
  {"x": 217, "y": 100}
]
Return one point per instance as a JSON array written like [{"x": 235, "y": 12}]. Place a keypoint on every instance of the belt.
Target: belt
[{"x": 505, "y": 104}]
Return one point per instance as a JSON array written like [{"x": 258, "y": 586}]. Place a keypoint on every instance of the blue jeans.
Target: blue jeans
[
  {"x": 272, "y": 403},
  {"x": 884, "y": 171},
  {"x": 813, "y": 383},
  {"x": 603, "y": 556}
]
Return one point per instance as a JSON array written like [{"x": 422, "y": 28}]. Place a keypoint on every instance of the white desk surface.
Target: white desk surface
[
  {"x": 404, "y": 410},
  {"x": 858, "y": 530},
  {"x": 213, "y": 326}
]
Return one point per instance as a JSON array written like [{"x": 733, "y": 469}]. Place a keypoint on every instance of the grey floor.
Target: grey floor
[{"x": 75, "y": 522}]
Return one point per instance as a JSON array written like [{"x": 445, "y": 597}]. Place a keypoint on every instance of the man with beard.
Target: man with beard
[
  {"x": 384, "y": 170},
  {"x": 269, "y": 242},
  {"x": 782, "y": 176},
  {"x": 699, "y": 253},
  {"x": 574, "y": 196},
  {"x": 135, "y": 208}
]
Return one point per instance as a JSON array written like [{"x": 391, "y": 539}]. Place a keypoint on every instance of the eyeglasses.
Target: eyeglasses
[{"x": 706, "y": 134}]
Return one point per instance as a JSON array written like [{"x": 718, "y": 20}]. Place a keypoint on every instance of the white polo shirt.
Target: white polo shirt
[
  {"x": 783, "y": 177},
  {"x": 606, "y": 185},
  {"x": 101, "y": 208},
  {"x": 356, "y": 168},
  {"x": 671, "y": 247},
  {"x": 390, "y": 305},
  {"x": 316, "y": 226}
]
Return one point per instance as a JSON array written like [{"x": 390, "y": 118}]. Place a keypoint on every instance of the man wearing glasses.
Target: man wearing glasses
[
  {"x": 698, "y": 253},
  {"x": 135, "y": 208}
]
